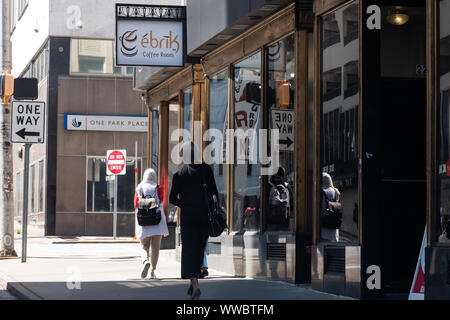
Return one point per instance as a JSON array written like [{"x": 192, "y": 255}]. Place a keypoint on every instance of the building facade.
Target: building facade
[{"x": 358, "y": 91}]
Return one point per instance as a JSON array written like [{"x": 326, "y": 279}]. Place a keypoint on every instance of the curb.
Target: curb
[{"x": 17, "y": 289}]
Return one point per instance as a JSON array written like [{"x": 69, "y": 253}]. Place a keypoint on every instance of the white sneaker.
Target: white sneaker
[
  {"x": 145, "y": 268},
  {"x": 153, "y": 275}
]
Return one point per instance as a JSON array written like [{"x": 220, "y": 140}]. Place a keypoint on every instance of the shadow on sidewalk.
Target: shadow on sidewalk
[{"x": 219, "y": 288}]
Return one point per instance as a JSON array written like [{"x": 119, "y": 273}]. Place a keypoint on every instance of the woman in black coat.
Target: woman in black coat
[{"x": 188, "y": 193}]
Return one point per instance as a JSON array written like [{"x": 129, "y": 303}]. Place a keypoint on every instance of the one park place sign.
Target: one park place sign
[{"x": 150, "y": 35}]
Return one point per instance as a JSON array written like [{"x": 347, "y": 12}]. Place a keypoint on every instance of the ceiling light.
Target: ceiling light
[
  {"x": 269, "y": 7},
  {"x": 239, "y": 27},
  {"x": 224, "y": 36},
  {"x": 200, "y": 52},
  {"x": 397, "y": 17},
  {"x": 254, "y": 18}
]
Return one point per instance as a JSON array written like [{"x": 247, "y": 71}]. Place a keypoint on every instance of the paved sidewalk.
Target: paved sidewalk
[{"x": 65, "y": 271}]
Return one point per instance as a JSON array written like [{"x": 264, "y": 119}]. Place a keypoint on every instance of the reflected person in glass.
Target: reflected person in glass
[{"x": 330, "y": 193}]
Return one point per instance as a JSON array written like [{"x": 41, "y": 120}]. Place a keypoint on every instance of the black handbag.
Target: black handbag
[
  {"x": 331, "y": 216},
  {"x": 149, "y": 213},
  {"x": 216, "y": 218}
]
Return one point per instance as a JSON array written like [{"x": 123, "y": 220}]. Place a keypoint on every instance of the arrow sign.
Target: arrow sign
[
  {"x": 283, "y": 120},
  {"x": 22, "y": 133},
  {"x": 27, "y": 122},
  {"x": 287, "y": 142}
]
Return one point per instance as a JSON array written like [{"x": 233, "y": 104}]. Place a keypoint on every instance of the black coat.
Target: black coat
[{"x": 187, "y": 192}]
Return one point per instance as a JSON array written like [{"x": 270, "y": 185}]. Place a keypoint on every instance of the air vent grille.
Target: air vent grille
[
  {"x": 335, "y": 260},
  {"x": 214, "y": 248},
  {"x": 276, "y": 251}
]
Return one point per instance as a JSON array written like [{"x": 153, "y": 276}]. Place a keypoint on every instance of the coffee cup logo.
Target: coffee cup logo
[{"x": 128, "y": 40}]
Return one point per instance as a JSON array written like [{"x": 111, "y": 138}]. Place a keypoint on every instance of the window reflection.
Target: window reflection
[
  {"x": 247, "y": 114},
  {"x": 340, "y": 100},
  {"x": 443, "y": 227},
  {"x": 94, "y": 56},
  {"x": 281, "y": 116},
  {"x": 174, "y": 118},
  {"x": 155, "y": 139},
  {"x": 218, "y": 104},
  {"x": 187, "y": 111}
]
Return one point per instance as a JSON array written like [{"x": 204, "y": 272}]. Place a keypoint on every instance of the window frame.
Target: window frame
[
  {"x": 231, "y": 124},
  {"x": 265, "y": 125},
  {"x": 331, "y": 8}
]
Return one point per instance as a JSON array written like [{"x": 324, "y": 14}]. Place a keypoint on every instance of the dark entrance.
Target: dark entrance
[{"x": 398, "y": 143}]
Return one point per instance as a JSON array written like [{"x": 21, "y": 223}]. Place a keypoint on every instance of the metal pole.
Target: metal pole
[
  {"x": 26, "y": 167},
  {"x": 5, "y": 43},
  {"x": 6, "y": 198},
  {"x": 115, "y": 207},
  {"x": 136, "y": 176}
]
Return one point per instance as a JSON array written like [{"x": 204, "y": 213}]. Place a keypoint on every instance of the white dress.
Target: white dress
[{"x": 142, "y": 232}]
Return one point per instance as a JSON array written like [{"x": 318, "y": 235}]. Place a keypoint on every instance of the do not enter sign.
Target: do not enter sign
[{"x": 116, "y": 162}]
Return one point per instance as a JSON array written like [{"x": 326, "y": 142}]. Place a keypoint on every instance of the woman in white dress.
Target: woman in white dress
[{"x": 150, "y": 236}]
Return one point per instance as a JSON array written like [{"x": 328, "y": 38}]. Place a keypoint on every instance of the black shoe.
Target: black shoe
[
  {"x": 190, "y": 290},
  {"x": 196, "y": 295},
  {"x": 203, "y": 274}
]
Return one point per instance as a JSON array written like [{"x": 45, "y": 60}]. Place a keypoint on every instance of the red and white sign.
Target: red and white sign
[
  {"x": 116, "y": 161},
  {"x": 418, "y": 286}
]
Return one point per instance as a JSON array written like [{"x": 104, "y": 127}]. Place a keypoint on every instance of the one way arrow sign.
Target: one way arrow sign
[{"x": 27, "y": 122}]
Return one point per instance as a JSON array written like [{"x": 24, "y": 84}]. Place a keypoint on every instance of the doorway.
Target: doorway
[{"x": 401, "y": 158}]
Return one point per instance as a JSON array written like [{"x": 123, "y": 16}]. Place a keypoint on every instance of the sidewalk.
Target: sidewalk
[{"x": 62, "y": 270}]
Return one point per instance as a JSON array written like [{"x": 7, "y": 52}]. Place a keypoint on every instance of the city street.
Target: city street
[{"x": 67, "y": 270}]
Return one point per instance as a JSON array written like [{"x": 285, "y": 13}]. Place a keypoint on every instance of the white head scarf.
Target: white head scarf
[
  {"x": 190, "y": 153},
  {"x": 149, "y": 177}
]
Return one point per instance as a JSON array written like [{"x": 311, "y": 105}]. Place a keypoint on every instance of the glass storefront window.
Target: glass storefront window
[
  {"x": 155, "y": 137},
  {"x": 187, "y": 110},
  {"x": 443, "y": 222},
  {"x": 174, "y": 118},
  {"x": 218, "y": 105},
  {"x": 339, "y": 123},
  {"x": 247, "y": 115},
  {"x": 100, "y": 187},
  {"x": 281, "y": 116}
]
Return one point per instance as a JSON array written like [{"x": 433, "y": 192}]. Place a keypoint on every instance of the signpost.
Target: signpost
[
  {"x": 27, "y": 126},
  {"x": 116, "y": 163}
]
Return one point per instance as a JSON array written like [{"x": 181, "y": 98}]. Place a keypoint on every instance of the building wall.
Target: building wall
[
  {"x": 93, "y": 18},
  {"x": 29, "y": 34},
  {"x": 92, "y": 95}
]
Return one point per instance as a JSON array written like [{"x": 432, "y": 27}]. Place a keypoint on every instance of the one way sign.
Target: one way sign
[{"x": 28, "y": 122}]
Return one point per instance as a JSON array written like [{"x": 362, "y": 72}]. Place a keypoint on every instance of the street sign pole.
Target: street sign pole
[
  {"x": 25, "y": 202},
  {"x": 115, "y": 207},
  {"x": 116, "y": 164}
]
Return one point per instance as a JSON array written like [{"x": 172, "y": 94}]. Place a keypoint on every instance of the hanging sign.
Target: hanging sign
[
  {"x": 149, "y": 35},
  {"x": 116, "y": 161}
]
